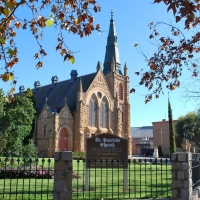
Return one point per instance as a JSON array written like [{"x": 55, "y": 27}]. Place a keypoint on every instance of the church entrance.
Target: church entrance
[{"x": 63, "y": 140}]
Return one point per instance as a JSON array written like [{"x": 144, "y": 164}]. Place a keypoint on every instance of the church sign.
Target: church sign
[{"x": 108, "y": 150}]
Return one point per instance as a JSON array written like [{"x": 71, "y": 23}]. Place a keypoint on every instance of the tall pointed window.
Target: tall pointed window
[
  {"x": 120, "y": 91},
  {"x": 92, "y": 112},
  {"x": 104, "y": 113}
]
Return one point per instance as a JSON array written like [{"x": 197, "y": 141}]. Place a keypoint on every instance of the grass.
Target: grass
[
  {"x": 26, "y": 189},
  {"x": 144, "y": 181}
]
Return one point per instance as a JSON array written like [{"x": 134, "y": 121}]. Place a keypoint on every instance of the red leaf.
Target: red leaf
[{"x": 178, "y": 18}]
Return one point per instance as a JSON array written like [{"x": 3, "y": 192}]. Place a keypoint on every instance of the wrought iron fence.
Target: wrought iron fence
[
  {"x": 26, "y": 178},
  {"x": 147, "y": 178},
  {"x": 195, "y": 171}
]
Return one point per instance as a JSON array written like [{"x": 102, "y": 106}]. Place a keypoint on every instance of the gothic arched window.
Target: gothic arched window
[
  {"x": 104, "y": 113},
  {"x": 120, "y": 91},
  {"x": 92, "y": 111}
]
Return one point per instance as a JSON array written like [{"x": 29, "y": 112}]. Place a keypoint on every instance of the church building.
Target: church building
[{"x": 95, "y": 103}]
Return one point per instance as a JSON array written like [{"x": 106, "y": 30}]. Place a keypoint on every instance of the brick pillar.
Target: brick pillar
[
  {"x": 62, "y": 175},
  {"x": 182, "y": 176}
]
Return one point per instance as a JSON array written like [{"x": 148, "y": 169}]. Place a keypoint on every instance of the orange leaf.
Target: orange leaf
[
  {"x": 39, "y": 64},
  {"x": 36, "y": 56},
  {"x": 97, "y": 26},
  {"x": 18, "y": 25},
  {"x": 74, "y": 29},
  {"x": 63, "y": 51},
  {"x": 153, "y": 66},
  {"x": 172, "y": 87}
]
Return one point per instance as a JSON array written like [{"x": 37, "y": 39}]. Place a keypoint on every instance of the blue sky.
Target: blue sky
[{"x": 131, "y": 19}]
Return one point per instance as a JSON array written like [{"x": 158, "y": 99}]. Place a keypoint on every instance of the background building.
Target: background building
[
  {"x": 152, "y": 136},
  {"x": 142, "y": 137}
]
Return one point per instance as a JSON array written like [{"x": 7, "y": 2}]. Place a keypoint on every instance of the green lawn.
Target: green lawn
[{"x": 144, "y": 181}]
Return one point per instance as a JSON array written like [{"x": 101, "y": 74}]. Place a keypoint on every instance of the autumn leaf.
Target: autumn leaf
[
  {"x": 2, "y": 40},
  {"x": 18, "y": 25},
  {"x": 151, "y": 36},
  {"x": 39, "y": 64},
  {"x": 72, "y": 59},
  {"x": 194, "y": 65},
  {"x": 76, "y": 21},
  {"x": 153, "y": 66},
  {"x": 74, "y": 29},
  {"x": 190, "y": 56},
  {"x": 97, "y": 27},
  {"x": 11, "y": 52},
  {"x": 132, "y": 90},
  {"x": 178, "y": 18},
  {"x": 195, "y": 74},
  {"x": 171, "y": 87},
  {"x": 63, "y": 51},
  {"x": 6, "y": 12},
  {"x": 49, "y": 22},
  {"x": 137, "y": 73},
  {"x": 36, "y": 56},
  {"x": 7, "y": 76},
  {"x": 10, "y": 4}
]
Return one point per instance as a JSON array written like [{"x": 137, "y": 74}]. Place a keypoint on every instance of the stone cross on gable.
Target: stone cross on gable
[{"x": 161, "y": 136}]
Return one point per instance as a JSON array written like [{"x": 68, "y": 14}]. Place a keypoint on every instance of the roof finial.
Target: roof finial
[
  {"x": 65, "y": 101},
  {"x": 112, "y": 14},
  {"x": 80, "y": 86}
]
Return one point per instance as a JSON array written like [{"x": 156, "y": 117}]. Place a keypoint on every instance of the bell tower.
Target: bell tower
[{"x": 119, "y": 86}]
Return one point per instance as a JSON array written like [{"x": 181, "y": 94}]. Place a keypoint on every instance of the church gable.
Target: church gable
[
  {"x": 65, "y": 113},
  {"x": 99, "y": 83}
]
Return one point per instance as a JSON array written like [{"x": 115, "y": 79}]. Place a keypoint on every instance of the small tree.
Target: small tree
[
  {"x": 172, "y": 141},
  {"x": 160, "y": 153},
  {"x": 16, "y": 124}
]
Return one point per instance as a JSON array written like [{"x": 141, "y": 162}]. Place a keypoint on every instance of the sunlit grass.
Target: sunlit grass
[{"x": 144, "y": 181}]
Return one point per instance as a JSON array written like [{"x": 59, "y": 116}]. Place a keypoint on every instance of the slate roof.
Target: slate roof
[
  {"x": 56, "y": 93},
  {"x": 142, "y": 132}
]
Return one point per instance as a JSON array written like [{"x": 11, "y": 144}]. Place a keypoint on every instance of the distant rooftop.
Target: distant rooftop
[{"x": 142, "y": 132}]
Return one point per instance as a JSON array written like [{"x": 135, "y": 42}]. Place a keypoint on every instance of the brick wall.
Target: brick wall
[{"x": 162, "y": 139}]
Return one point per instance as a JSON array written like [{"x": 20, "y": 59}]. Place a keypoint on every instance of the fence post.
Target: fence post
[
  {"x": 182, "y": 177},
  {"x": 87, "y": 170},
  {"x": 63, "y": 163}
]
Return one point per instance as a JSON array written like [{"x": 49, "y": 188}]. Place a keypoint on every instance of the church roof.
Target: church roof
[
  {"x": 112, "y": 50},
  {"x": 142, "y": 132},
  {"x": 57, "y": 92}
]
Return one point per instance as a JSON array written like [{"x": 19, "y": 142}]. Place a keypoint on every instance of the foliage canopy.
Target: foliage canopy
[
  {"x": 188, "y": 127},
  {"x": 16, "y": 124},
  {"x": 174, "y": 52},
  {"x": 73, "y": 16}
]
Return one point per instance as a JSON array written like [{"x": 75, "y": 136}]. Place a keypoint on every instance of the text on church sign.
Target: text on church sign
[{"x": 104, "y": 148}]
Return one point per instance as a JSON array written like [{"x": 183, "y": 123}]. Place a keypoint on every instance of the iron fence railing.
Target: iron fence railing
[
  {"x": 26, "y": 178},
  {"x": 195, "y": 172},
  {"x": 147, "y": 178}
]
